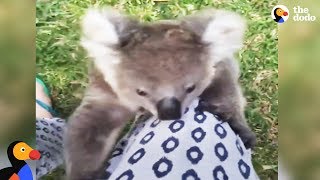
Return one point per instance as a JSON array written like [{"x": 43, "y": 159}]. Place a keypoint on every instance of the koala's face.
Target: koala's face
[
  {"x": 162, "y": 66},
  {"x": 162, "y": 69}
]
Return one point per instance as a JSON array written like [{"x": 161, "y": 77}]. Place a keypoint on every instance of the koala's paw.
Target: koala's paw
[
  {"x": 248, "y": 138},
  {"x": 223, "y": 114},
  {"x": 205, "y": 106}
]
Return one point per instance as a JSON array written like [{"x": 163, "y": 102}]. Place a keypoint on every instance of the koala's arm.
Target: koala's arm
[
  {"x": 224, "y": 97},
  {"x": 93, "y": 130}
]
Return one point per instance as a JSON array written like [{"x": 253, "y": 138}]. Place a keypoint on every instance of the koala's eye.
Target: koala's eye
[
  {"x": 22, "y": 149},
  {"x": 190, "y": 88},
  {"x": 141, "y": 92}
]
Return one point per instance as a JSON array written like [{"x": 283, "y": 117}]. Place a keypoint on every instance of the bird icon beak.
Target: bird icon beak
[
  {"x": 285, "y": 13},
  {"x": 34, "y": 155}
]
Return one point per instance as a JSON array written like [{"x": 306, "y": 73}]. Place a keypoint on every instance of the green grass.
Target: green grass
[{"x": 62, "y": 62}]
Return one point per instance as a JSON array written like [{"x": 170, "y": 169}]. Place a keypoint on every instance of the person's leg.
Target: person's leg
[
  {"x": 42, "y": 96},
  {"x": 49, "y": 133}
]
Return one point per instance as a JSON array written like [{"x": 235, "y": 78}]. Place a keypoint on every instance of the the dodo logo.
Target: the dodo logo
[
  {"x": 18, "y": 152},
  {"x": 280, "y": 13}
]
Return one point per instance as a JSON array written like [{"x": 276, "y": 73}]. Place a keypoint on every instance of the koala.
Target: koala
[{"x": 160, "y": 67}]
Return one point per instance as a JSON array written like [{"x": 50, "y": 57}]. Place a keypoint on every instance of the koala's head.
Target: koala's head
[{"x": 161, "y": 66}]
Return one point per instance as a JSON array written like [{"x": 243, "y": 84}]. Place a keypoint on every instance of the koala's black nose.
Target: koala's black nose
[{"x": 169, "y": 108}]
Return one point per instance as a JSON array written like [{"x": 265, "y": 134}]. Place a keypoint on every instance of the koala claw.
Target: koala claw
[
  {"x": 204, "y": 106},
  {"x": 248, "y": 138}
]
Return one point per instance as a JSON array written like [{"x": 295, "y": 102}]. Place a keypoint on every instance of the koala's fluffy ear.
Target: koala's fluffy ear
[
  {"x": 105, "y": 28},
  {"x": 222, "y": 30}
]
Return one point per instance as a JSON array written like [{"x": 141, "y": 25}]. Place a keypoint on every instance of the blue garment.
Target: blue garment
[
  {"x": 197, "y": 146},
  {"x": 25, "y": 173}
]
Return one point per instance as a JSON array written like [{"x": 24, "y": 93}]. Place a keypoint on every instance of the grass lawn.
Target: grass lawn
[{"x": 62, "y": 62}]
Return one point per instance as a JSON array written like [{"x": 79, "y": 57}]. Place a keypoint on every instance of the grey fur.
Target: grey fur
[
  {"x": 224, "y": 97},
  {"x": 161, "y": 59},
  {"x": 93, "y": 129}
]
